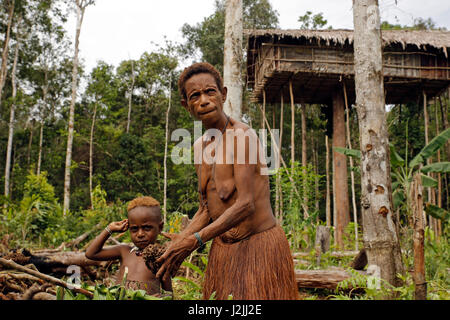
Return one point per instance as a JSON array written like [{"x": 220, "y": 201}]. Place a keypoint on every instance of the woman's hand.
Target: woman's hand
[
  {"x": 119, "y": 226},
  {"x": 179, "y": 248}
]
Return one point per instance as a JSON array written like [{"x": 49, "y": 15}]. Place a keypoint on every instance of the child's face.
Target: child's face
[{"x": 144, "y": 225}]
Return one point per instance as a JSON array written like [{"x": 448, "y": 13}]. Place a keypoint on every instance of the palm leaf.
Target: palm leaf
[
  {"x": 193, "y": 267},
  {"x": 429, "y": 182},
  {"x": 441, "y": 167},
  {"x": 437, "y": 212},
  {"x": 348, "y": 152},
  {"x": 431, "y": 148},
  {"x": 396, "y": 159}
]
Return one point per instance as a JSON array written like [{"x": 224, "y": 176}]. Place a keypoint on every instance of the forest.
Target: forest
[{"x": 77, "y": 145}]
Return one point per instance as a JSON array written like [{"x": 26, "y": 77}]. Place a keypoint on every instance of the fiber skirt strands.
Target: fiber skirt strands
[{"x": 257, "y": 268}]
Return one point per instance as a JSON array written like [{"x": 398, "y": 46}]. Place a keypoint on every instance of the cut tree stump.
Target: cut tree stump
[{"x": 322, "y": 279}]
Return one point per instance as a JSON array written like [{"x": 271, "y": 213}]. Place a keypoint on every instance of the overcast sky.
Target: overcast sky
[{"x": 115, "y": 30}]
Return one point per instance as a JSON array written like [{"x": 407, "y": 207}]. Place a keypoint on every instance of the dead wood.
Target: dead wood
[
  {"x": 322, "y": 279},
  {"x": 44, "y": 296},
  {"x": 12, "y": 265},
  {"x": 335, "y": 254},
  {"x": 360, "y": 261}
]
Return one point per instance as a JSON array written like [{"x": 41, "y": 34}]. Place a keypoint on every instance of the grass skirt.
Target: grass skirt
[{"x": 257, "y": 268}]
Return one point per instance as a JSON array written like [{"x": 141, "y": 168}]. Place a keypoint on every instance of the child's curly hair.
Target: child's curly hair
[
  {"x": 143, "y": 202},
  {"x": 196, "y": 68}
]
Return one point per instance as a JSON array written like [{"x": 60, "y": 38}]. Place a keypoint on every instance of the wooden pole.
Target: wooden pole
[
  {"x": 327, "y": 172},
  {"x": 280, "y": 192},
  {"x": 304, "y": 159},
  {"x": 291, "y": 94},
  {"x": 277, "y": 190},
  {"x": 439, "y": 178},
  {"x": 340, "y": 166},
  {"x": 425, "y": 119},
  {"x": 419, "y": 251},
  {"x": 352, "y": 174}
]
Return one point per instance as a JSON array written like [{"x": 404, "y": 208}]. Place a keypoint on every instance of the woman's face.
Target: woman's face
[{"x": 204, "y": 100}]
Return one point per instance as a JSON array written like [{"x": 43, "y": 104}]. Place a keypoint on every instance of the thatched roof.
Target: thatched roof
[{"x": 419, "y": 38}]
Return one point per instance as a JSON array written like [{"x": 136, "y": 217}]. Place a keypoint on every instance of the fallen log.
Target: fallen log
[
  {"x": 12, "y": 265},
  {"x": 321, "y": 279},
  {"x": 335, "y": 254}
]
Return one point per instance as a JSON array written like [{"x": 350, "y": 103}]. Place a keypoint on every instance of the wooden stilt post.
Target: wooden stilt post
[
  {"x": 425, "y": 116},
  {"x": 352, "y": 175},
  {"x": 280, "y": 193},
  {"x": 327, "y": 172},
  {"x": 340, "y": 167},
  {"x": 291, "y": 94}
]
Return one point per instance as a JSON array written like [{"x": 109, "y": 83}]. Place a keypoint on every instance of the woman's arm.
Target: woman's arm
[
  {"x": 241, "y": 209},
  {"x": 95, "y": 250}
]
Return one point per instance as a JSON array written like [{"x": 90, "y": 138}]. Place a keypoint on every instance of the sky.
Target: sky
[{"x": 116, "y": 30}]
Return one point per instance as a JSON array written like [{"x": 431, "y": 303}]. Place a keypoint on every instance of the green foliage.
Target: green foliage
[
  {"x": 310, "y": 21},
  {"x": 191, "y": 288},
  {"x": 205, "y": 40},
  {"x": 294, "y": 224}
]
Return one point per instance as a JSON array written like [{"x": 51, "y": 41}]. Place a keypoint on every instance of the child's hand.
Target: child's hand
[{"x": 119, "y": 226}]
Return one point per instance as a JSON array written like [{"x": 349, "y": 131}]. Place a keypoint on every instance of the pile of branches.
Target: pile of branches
[{"x": 35, "y": 275}]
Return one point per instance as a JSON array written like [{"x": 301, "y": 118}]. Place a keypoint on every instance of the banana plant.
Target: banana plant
[{"x": 402, "y": 172}]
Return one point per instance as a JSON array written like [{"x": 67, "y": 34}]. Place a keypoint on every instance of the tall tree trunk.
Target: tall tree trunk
[
  {"x": 277, "y": 189},
  {"x": 130, "y": 98},
  {"x": 439, "y": 178},
  {"x": 304, "y": 160},
  {"x": 165, "y": 150},
  {"x": 327, "y": 172},
  {"x": 263, "y": 125},
  {"x": 91, "y": 153},
  {"x": 80, "y": 7},
  {"x": 11, "y": 120},
  {"x": 340, "y": 168},
  {"x": 380, "y": 237},
  {"x": 316, "y": 172},
  {"x": 280, "y": 192},
  {"x": 42, "y": 121},
  {"x": 352, "y": 174},
  {"x": 41, "y": 143},
  {"x": 30, "y": 142},
  {"x": 429, "y": 161},
  {"x": 5, "y": 51},
  {"x": 291, "y": 94},
  {"x": 419, "y": 235},
  {"x": 232, "y": 61}
]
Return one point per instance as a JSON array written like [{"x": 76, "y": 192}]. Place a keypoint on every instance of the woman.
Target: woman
[{"x": 249, "y": 256}]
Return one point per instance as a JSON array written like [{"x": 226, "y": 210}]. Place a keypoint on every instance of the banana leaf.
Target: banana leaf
[
  {"x": 398, "y": 197},
  {"x": 437, "y": 212},
  {"x": 348, "y": 152},
  {"x": 431, "y": 148},
  {"x": 441, "y": 167},
  {"x": 428, "y": 182},
  {"x": 396, "y": 159}
]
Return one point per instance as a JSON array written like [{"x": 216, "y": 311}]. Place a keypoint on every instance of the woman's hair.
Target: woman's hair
[
  {"x": 143, "y": 202},
  {"x": 196, "y": 68}
]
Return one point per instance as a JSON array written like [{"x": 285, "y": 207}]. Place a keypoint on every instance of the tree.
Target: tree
[
  {"x": 310, "y": 21},
  {"x": 205, "y": 40},
  {"x": 380, "y": 234},
  {"x": 11, "y": 5},
  {"x": 11, "y": 119},
  {"x": 232, "y": 77},
  {"x": 102, "y": 91},
  {"x": 80, "y": 8}
]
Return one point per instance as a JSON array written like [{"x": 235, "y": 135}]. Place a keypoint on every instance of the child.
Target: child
[{"x": 144, "y": 222}]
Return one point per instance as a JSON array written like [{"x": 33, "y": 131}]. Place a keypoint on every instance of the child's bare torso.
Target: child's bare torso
[{"x": 137, "y": 272}]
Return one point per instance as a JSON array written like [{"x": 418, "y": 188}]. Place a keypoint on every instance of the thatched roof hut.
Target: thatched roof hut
[{"x": 316, "y": 60}]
